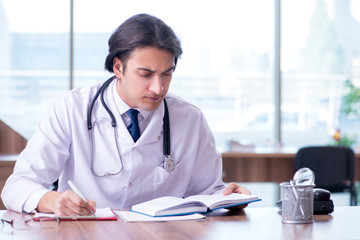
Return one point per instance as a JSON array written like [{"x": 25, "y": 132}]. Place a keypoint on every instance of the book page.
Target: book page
[
  {"x": 137, "y": 217},
  {"x": 219, "y": 200},
  {"x": 168, "y": 206},
  {"x": 104, "y": 213}
]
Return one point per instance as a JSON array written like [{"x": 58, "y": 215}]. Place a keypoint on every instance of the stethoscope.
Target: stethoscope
[{"x": 168, "y": 163}]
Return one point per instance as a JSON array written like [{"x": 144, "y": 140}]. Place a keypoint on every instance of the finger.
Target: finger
[
  {"x": 91, "y": 205},
  {"x": 80, "y": 206},
  {"x": 80, "y": 210},
  {"x": 243, "y": 190},
  {"x": 69, "y": 203},
  {"x": 61, "y": 205},
  {"x": 230, "y": 188},
  {"x": 234, "y": 188},
  {"x": 65, "y": 211}
]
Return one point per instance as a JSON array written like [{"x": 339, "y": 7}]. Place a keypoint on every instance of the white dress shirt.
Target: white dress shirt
[
  {"x": 105, "y": 163},
  {"x": 144, "y": 116}
]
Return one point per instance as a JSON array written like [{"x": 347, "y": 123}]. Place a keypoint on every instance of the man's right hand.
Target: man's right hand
[{"x": 65, "y": 204}]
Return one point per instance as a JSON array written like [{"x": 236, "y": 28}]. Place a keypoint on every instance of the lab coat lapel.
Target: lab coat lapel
[
  {"x": 151, "y": 134},
  {"x": 123, "y": 134},
  {"x": 99, "y": 111},
  {"x": 104, "y": 138}
]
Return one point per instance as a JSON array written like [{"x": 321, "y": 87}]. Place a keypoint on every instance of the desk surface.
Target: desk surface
[{"x": 251, "y": 223}]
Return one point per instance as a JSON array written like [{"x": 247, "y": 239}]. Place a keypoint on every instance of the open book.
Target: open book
[
  {"x": 128, "y": 216},
  {"x": 100, "y": 214},
  {"x": 169, "y": 206}
]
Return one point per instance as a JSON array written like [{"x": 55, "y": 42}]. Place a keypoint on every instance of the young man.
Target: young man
[{"x": 93, "y": 137}]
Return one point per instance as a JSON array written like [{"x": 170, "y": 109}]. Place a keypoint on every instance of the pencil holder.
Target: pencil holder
[{"x": 297, "y": 203}]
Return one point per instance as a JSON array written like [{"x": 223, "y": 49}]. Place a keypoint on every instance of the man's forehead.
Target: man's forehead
[
  {"x": 141, "y": 51},
  {"x": 151, "y": 58}
]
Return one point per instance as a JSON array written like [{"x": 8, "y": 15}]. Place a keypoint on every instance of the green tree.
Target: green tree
[{"x": 351, "y": 100}]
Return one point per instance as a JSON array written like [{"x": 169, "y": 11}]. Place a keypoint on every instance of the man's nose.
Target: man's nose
[{"x": 156, "y": 85}]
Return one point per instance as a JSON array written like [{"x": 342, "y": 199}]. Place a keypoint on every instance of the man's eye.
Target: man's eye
[
  {"x": 167, "y": 73},
  {"x": 145, "y": 74}
]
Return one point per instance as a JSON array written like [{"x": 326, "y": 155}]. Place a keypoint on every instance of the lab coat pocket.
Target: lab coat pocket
[
  {"x": 173, "y": 183},
  {"x": 106, "y": 158}
]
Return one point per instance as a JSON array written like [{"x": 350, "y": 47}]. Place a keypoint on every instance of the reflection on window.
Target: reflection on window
[
  {"x": 33, "y": 61},
  {"x": 317, "y": 58},
  {"x": 227, "y": 60},
  {"x": 226, "y": 69}
]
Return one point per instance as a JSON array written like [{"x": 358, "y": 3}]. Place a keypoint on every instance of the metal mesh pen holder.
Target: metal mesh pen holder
[{"x": 297, "y": 203}]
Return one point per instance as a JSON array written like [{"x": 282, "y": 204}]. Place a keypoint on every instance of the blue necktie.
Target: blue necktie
[{"x": 134, "y": 124}]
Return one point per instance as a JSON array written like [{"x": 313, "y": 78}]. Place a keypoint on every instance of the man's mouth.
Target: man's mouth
[{"x": 154, "y": 98}]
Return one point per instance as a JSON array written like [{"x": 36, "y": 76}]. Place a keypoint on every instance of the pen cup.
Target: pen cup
[{"x": 297, "y": 203}]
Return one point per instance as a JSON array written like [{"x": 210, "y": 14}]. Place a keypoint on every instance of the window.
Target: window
[
  {"x": 227, "y": 68},
  {"x": 320, "y": 51},
  {"x": 34, "y": 59}
]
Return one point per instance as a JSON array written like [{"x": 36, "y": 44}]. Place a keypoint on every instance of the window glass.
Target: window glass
[
  {"x": 33, "y": 61},
  {"x": 320, "y": 51},
  {"x": 226, "y": 68}
]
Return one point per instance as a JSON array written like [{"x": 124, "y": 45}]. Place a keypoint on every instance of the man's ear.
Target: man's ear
[{"x": 117, "y": 67}]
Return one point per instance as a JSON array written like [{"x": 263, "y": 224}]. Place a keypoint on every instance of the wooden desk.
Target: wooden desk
[
  {"x": 264, "y": 167},
  {"x": 252, "y": 223},
  {"x": 7, "y": 163},
  {"x": 237, "y": 167}
]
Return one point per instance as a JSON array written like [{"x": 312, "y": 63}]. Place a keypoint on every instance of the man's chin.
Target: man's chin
[{"x": 150, "y": 106}]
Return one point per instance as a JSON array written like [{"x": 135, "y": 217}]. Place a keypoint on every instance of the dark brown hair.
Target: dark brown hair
[{"x": 141, "y": 30}]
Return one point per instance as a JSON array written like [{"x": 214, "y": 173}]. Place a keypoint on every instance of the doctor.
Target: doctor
[{"x": 87, "y": 135}]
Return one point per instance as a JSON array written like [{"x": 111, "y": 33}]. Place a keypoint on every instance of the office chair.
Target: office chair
[{"x": 333, "y": 168}]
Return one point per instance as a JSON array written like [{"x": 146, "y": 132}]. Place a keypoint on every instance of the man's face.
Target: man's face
[{"x": 146, "y": 79}]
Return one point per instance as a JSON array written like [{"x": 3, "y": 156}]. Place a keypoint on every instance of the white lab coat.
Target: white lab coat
[{"x": 114, "y": 177}]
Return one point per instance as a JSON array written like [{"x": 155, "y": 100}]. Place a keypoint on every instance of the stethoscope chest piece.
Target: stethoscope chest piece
[{"x": 168, "y": 164}]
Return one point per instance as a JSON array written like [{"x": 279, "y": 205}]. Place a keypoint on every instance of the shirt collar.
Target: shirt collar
[{"x": 123, "y": 107}]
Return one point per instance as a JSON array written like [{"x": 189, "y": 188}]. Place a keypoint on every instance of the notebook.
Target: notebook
[
  {"x": 170, "y": 206},
  {"x": 100, "y": 214},
  {"x": 128, "y": 216}
]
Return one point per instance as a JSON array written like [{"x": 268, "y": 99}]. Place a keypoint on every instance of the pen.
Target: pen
[{"x": 77, "y": 191}]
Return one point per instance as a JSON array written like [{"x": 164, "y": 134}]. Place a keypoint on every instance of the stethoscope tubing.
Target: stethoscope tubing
[
  {"x": 101, "y": 91},
  {"x": 166, "y": 120}
]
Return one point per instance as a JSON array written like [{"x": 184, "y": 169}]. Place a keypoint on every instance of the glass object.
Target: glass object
[
  {"x": 226, "y": 68},
  {"x": 18, "y": 224},
  {"x": 297, "y": 203},
  {"x": 34, "y": 59},
  {"x": 320, "y": 51},
  {"x": 304, "y": 176},
  {"x": 24, "y": 224},
  {"x": 47, "y": 223}
]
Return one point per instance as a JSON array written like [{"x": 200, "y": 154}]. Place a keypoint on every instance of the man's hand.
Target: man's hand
[
  {"x": 234, "y": 188},
  {"x": 65, "y": 204}
]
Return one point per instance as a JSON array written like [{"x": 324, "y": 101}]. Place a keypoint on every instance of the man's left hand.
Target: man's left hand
[{"x": 234, "y": 188}]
